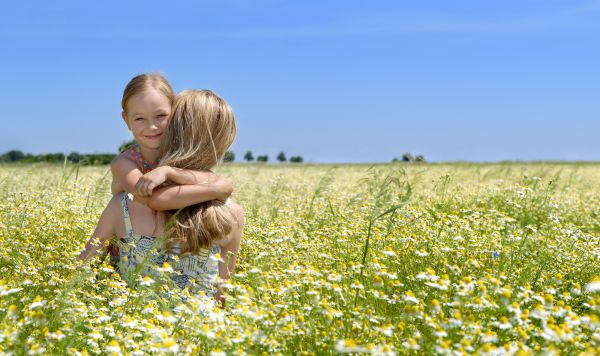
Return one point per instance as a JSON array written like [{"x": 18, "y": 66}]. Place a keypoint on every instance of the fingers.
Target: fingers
[
  {"x": 150, "y": 187},
  {"x": 136, "y": 190},
  {"x": 225, "y": 187},
  {"x": 139, "y": 187},
  {"x": 144, "y": 187}
]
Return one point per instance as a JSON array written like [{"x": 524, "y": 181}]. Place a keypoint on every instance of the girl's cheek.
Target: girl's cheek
[{"x": 138, "y": 126}]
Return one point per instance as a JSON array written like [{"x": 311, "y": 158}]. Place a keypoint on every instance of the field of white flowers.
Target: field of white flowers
[{"x": 391, "y": 259}]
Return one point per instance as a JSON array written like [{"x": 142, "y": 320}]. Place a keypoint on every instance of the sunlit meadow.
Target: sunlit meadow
[{"x": 390, "y": 259}]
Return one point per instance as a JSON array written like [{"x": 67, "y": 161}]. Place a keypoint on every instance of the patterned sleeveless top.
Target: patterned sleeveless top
[
  {"x": 136, "y": 154},
  {"x": 197, "y": 272}
]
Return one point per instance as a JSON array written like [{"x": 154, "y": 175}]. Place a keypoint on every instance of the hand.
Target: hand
[
  {"x": 151, "y": 180},
  {"x": 223, "y": 187},
  {"x": 140, "y": 199}
]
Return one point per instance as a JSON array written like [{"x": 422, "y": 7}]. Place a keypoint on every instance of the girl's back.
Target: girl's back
[{"x": 140, "y": 246}]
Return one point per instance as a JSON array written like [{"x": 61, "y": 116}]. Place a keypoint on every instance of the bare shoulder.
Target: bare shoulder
[
  {"x": 122, "y": 162},
  {"x": 237, "y": 211}
]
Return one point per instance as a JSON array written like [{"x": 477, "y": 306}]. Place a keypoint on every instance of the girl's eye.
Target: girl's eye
[{"x": 139, "y": 119}]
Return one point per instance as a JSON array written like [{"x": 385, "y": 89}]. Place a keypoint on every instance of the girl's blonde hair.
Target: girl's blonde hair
[
  {"x": 201, "y": 130},
  {"x": 142, "y": 82}
]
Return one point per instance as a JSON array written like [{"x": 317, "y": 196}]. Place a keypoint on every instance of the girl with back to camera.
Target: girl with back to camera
[{"x": 200, "y": 131}]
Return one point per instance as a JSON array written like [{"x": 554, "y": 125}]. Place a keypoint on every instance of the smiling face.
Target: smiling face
[{"x": 147, "y": 116}]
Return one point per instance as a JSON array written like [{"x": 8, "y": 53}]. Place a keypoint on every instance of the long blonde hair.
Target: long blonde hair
[
  {"x": 142, "y": 82},
  {"x": 200, "y": 131}
]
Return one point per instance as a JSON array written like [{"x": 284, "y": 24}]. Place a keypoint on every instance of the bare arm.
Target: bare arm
[
  {"x": 152, "y": 180},
  {"x": 200, "y": 186},
  {"x": 186, "y": 176},
  {"x": 180, "y": 196},
  {"x": 105, "y": 230},
  {"x": 194, "y": 187},
  {"x": 229, "y": 253},
  {"x": 125, "y": 175}
]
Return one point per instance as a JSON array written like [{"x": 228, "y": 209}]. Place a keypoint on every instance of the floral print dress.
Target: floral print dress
[{"x": 142, "y": 254}]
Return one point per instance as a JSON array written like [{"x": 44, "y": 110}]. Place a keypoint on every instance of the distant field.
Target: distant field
[{"x": 388, "y": 259}]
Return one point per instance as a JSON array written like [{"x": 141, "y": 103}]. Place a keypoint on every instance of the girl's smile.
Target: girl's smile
[{"x": 154, "y": 137}]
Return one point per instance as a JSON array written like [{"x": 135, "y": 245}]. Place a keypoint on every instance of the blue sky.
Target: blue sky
[{"x": 333, "y": 81}]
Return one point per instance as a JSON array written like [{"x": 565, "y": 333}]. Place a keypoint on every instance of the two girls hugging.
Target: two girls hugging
[{"x": 164, "y": 193}]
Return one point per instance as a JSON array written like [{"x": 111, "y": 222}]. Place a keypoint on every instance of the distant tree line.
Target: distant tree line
[
  {"x": 281, "y": 157},
  {"x": 73, "y": 157},
  {"x": 230, "y": 155},
  {"x": 408, "y": 157},
  {"x": 106, "y": 158}
]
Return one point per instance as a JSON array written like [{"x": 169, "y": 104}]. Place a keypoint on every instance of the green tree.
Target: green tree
[
  {"x": 281, "y": 157},
  {"x": 74, "y": 157},
  {"x": 97, "y": 158},
  {"x": 296, "y": 159},
  {"x": 263, "y": 158},
  {"x": 229, "y": 156},
  {"x": 407, "y": 157},
  {"x": 15, "y": 155},
  {"x": 248, "y": 156},
  {"x": 419, "y": 158},
  {"x": 51, "y": 157}
]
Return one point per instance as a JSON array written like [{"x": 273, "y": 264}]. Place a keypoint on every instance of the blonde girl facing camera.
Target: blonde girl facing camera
[{"x": 201, "y": 130}]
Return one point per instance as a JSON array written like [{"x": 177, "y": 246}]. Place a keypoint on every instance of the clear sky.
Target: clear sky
[{"x": 333, "y": 81}]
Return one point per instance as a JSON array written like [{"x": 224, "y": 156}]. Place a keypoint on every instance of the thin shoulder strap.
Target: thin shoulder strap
[{"x": 128, "y": 229}]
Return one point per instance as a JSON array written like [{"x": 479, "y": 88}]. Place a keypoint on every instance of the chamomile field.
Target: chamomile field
[{"x": 388, "y": 259}]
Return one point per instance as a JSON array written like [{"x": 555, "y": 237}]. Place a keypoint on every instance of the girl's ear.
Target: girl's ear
[{"x": 124, "y": 116}]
